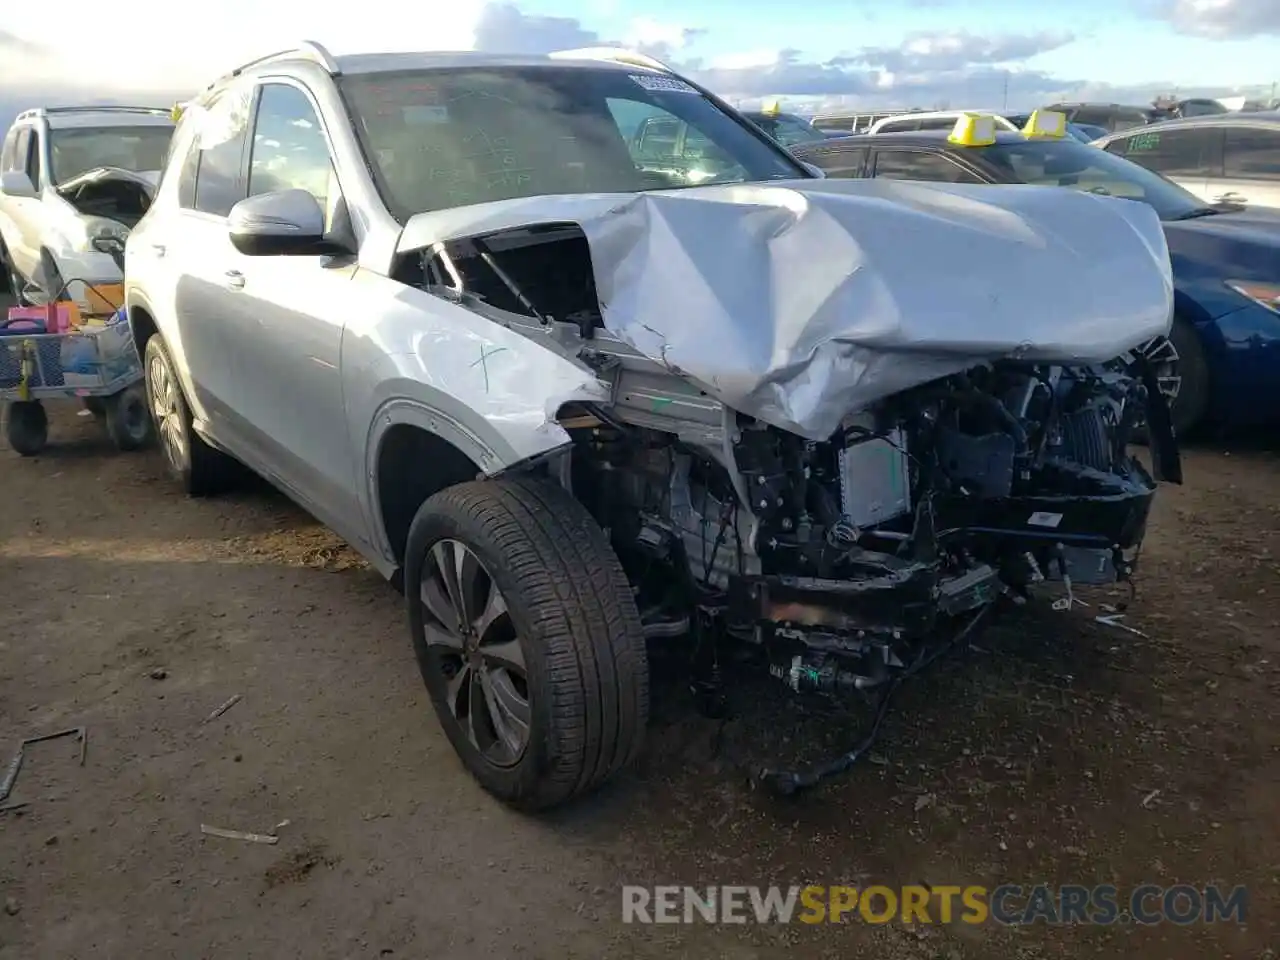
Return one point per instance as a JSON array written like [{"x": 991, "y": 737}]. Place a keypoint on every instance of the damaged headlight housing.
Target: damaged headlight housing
[{"x": 1266, "y": 294}]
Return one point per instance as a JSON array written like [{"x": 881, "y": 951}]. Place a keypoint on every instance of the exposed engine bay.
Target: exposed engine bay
[{"x": 848, "y": 562}]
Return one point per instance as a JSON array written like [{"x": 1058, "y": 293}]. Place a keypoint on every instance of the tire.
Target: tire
[
  {"x": 12, "y": 278},
  {"x": 51, "y": 281},
  {"x": 128, "y": 419},
  {"x": 1191, "y": 404},
  {"x": 27, "y": 427},
  {"x": 199, "y": 469},
  {"x": 571, "y": 618}
]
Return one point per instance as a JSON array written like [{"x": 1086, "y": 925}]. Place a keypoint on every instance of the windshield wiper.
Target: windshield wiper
[{"x": 1199, "y": 212}]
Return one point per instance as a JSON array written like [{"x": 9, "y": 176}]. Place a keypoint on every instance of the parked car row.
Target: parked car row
[
  {"x": 580, "y": 357},
  {"x": 1226, "y": 259}
]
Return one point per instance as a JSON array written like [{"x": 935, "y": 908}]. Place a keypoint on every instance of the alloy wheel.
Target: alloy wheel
[
  {"x": 167, "y": 411},
  {"x": 471, "y": 639}
]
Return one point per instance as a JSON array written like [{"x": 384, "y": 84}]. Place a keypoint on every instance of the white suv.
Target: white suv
[
  {"x": 574, "y": 387},
  {"x": 73, "y": 181}
]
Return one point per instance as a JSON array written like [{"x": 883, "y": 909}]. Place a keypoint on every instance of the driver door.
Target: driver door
[{"x": 285, "y": 318}]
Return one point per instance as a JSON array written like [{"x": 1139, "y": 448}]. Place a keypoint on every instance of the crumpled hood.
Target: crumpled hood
[
  {"x": 799, "y": 302},
  {"x": 147, "y": 179}
]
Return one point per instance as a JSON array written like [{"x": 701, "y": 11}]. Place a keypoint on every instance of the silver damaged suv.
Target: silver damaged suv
[{"x": 578, "y": 357}]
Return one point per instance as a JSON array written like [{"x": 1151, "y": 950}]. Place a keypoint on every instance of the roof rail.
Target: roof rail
[
  {"x": 37, "y": 112},
  {"x": 631, "y": 58},
  {"x": 308, "y": 50}
]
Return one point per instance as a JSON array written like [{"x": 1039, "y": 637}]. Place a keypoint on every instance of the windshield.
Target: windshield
[
  {"x": 1070, "y": 163},
  {"x": 75, "y": 150},
  {"x": 451, "y": 137},
  {"x": 787, "y": 129}
]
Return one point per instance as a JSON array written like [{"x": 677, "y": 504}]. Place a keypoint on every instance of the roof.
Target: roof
[
  {"x": 440, "y": 60},
  {"x": 1257, "y": 118},
  {"x": 99, "y": 115},
  {"x": 908, "y": 138}
]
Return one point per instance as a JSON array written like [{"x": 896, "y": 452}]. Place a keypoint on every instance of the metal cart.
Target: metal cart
[{"x": 98, "y": 365}]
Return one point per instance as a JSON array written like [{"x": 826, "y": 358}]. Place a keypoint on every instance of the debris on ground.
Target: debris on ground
[
  {"x": 227, "y": 705},
  {"x": 238, "y": 834}
]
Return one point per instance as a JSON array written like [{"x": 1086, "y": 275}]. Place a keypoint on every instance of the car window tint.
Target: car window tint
[
  {"x": 289, "y": 147},
  {"x": 187, "y": 176},
  {"x": 1252, "y": 154},
  {"x": 838, "y": 163},
  {"x": 913, "y": 165},
  {"x": 9, "y": 151},
  {"x": 22, "y": 151},
  {"x": 1174, "y": 153},
  {"x": 222, "y": 133}
]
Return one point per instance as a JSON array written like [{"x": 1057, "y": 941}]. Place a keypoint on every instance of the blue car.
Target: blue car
[{"x": 1226, "y": 260}]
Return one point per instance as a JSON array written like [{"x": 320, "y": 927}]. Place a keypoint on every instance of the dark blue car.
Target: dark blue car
[{"x": 1226, "y": 261}]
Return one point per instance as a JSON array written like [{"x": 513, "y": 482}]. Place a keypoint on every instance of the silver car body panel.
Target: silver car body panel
[{"x": 800, "y": 302}]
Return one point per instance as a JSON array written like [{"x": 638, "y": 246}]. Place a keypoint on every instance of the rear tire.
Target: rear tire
[
  {"x": 1191, "y": 404},
  {"x": 199, "y": 469},
  {"x": 570, "y": 620},
  {"x": 51, "y": 281},
  {"x": 27, "y": 427}
]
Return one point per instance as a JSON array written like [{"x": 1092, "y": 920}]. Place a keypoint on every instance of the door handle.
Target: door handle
[
  {"x": 235, "y": 279},
  {"x": 158, "y": 249}
]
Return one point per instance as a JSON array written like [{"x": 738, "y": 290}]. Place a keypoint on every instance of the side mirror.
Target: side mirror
[
  {"x": 285, "y": 223},
  {"x": 15, "y": 183}
]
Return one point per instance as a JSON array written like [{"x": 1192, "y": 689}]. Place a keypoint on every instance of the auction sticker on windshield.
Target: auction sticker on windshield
[{"x": 657, "y": 84}]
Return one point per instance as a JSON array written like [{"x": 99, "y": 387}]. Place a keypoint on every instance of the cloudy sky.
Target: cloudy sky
[{"x": 874, "y": 53}]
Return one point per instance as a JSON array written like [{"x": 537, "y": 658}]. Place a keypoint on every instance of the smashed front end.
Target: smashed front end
[{"x": 837, "y": 437}]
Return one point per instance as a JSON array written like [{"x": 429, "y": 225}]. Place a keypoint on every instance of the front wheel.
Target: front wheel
[
  {"x": 528, "y": 639},
  {"x": 1188, "y": 408}
]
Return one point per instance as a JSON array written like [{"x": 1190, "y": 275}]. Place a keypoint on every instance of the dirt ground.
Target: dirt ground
[{"x": 1061, "y": 751}]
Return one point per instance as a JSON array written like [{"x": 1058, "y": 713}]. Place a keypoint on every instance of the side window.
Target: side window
[
  {"x": 1174, "y": 153},
  {"x": 842, "y": 164},
  {"x": 914, "y": 165},
  {"x": 900, "y": 126},
  {"x": 22, "y": 153},
  {"x": 289, "y": 147},
  {"x": 10, "y": 150},
  {"x": 1252, "y": 154},
  {"x": 221, "y": 137},
  {"x": 35, "y": 161},
  {"x": 938, "y": 123}
]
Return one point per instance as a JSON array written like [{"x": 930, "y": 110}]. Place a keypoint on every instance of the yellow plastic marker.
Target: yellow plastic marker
[
  {"x": 772, "y": 109},
  {"x": 1045, "y": 125},
  {"x": 974, "y": 130},
  {"x": 175, "y": 114}
]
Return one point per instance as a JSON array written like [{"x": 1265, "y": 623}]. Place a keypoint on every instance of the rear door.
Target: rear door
[
  {"x": 197, "y": 252},
  {"x": 1187, "y": 156},
  {"x": 1250, "y": 166}
]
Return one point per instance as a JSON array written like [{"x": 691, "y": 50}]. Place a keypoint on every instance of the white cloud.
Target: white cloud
[
  {"x": 1222, "y": 19},
  {"x": 38, "y": 65}
]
